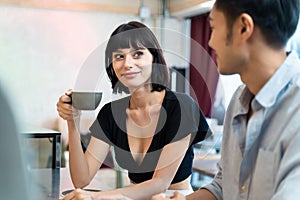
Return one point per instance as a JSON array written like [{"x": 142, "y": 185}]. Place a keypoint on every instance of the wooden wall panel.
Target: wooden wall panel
[
  {"x": 179, "y": 5},
  {"x": 115, "y": 6},
  {"x": 112, "y": 6}
]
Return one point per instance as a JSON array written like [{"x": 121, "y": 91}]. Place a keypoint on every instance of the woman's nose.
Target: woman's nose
[{"x": 129, "y": 62}]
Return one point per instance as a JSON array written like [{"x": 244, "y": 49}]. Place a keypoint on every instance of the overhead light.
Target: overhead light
[
  {"x": 144, "y": 12},
  {"x": 199, "y": 9}
]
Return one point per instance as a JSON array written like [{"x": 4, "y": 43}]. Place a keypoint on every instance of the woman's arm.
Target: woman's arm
[
  {"x": 197, "y": 195},
  {"x": 169, "y": 161},
  {"x": 83, "y": 167}
]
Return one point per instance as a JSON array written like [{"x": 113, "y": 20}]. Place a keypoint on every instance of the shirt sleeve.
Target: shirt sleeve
[
  {"x": 101, "y": 128},
  {"x": 185, "y": 117},
  {"x": 215, "y": 186}
]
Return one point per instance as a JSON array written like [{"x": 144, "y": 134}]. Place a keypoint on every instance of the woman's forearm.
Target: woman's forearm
[
  {"x": 141, "y": 191},
  {"x": 78, "y": 166}
]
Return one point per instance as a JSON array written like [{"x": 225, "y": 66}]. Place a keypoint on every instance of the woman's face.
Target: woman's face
[{"x": 133, "y": 67}]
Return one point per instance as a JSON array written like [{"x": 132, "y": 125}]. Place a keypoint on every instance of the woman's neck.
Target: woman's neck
[{"x": 143, "y": 98}]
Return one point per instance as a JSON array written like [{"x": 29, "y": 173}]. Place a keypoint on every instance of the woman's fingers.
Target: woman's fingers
[
  {"x": 162, "y": 196},
  {"x": 65, "y": 109},
  {"x": 69, "y": 92},
  {"x": 112, "y": 197},
  {"x": 178, "y": 196},
  {"x": 66, "y": 98},
  {"x": 78, "y": 194}
]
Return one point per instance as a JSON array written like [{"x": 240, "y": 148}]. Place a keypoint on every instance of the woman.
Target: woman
[{"x": 151, "y": 130}]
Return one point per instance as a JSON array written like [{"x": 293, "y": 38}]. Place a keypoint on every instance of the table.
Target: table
[
  {"x": 30, "y": 131},
  {"x": 46, "y": 183},
  {"x": 206, "y": 165},
  {"x": 50, "y": 183}
]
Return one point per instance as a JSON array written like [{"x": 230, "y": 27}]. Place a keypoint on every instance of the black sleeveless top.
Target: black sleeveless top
[{"x": 179, "y": 117}]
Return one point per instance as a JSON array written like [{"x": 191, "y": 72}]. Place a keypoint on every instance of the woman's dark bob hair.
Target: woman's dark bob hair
[{"x": 136, "y": 35}]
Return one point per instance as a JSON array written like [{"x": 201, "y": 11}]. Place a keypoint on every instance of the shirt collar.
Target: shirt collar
[
  {"x": 245, "y": 99},
  {"x": 267, "y": 96}
]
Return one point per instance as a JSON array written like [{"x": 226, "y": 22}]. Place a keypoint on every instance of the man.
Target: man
[{"x": 261, "y": 139}]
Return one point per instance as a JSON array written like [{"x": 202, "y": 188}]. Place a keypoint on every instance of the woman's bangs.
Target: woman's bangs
[
  {"x": 129, "y": 39},
  {"x": 119, "y": 42}
]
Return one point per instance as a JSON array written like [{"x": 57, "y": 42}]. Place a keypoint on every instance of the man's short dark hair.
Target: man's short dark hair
[{"x": 277, "y": 19}]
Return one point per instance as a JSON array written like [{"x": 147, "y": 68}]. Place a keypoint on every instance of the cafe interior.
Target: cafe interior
[{"x": 48, "y": 47}]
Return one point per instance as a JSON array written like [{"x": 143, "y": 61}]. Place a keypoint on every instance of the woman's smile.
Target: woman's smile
[{"x": 130, "y": 75}]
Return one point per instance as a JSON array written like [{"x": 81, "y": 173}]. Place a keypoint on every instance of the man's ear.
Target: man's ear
[{"x": 245, "y": 26}]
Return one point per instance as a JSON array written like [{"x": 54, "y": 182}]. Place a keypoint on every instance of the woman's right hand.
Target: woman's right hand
[
  {"x": 65, "y": 108},
  {"x": 162, "y": 196}
]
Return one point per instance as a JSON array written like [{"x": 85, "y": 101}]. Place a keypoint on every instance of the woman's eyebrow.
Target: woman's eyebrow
[
  {"x": 117, "y": 51},
  {"x": 131, "y": 50},
  {"x": 138, "y": 48}
]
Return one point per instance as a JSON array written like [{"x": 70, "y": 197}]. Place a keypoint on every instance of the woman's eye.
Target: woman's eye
[
  {"x": 138, "y": 54},
  {"x": 118, "y": 56}
]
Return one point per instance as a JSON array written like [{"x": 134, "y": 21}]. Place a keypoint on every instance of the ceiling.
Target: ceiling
[{"x": 176, "y": 8}]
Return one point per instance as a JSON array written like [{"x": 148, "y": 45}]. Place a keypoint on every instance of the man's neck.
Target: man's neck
[{"x": 262, "y": 67}]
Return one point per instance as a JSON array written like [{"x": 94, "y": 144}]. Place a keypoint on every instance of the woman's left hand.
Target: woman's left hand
[
  {"x": 79, "y": 194},
  {"x": 162, "y": 196}
]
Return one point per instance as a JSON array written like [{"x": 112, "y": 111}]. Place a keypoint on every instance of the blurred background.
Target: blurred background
[{"x": 50, "y": 46}]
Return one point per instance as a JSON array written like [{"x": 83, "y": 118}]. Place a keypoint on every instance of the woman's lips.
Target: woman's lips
[{"x": 130, "y": 74}]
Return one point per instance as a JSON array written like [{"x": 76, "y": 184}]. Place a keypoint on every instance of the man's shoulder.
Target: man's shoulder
[{"x": 296, "y": 80}]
